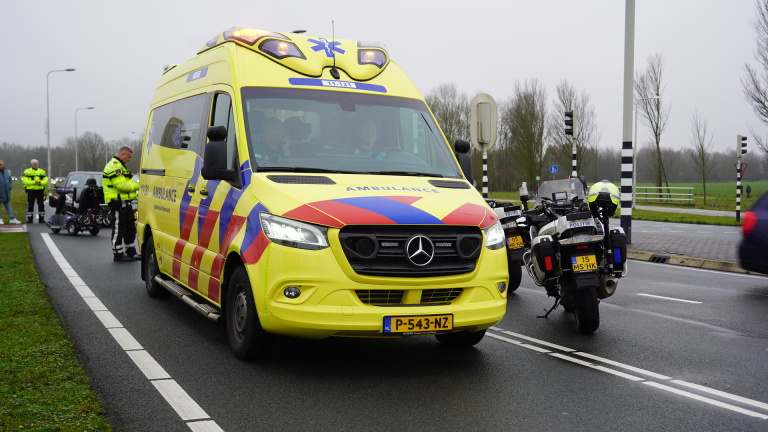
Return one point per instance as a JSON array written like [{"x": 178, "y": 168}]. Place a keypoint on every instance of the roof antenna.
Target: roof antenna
[{"x": 334, "y": 72}]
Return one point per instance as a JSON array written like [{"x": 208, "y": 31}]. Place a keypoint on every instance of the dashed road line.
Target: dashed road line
[
  {"x": 568, "y": 354},
  {"x": 669, "y": 298},
  {"x": 188, "y": 410}
]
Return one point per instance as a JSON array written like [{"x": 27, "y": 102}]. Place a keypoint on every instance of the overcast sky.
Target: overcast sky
[{"x": 119, "y": 49}]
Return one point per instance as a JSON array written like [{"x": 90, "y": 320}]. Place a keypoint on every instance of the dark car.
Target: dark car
[
  {"x": 754, "y": 240},
  {"x": 76, "y": 181}
]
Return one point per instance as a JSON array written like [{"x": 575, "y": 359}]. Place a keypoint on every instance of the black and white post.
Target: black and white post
[
  {"x": 485, "y": 173},
  {"x": 741, "y": 148}
]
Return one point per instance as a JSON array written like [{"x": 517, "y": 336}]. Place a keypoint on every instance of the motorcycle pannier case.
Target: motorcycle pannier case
[
  {"x": 545, "y": 261},
  {"x": 618, "y": 249}
]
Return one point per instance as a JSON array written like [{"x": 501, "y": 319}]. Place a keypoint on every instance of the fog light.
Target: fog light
[
  {"x": 502, "y": 287},
  {"x": 292, "y": 292}
]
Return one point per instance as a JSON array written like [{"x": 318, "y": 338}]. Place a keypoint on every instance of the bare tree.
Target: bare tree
[
  {"x": 451, "y": 108},
  {"x": 523, "y": 124},
  {"x": 701, "y": 153},
  {"x": 755, "y": 81},
  {"x": 648, "y": 91},
  {"x": 585, "y": 130}
]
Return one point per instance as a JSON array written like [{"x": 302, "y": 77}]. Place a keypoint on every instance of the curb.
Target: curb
[{"x": 686, "y": 261}]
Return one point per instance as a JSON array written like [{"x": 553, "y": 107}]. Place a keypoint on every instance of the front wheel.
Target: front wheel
[
  {"x": 151, "y": 270},
  {"x": 72, "y": 228},
  {"x": 515, "y": 269},
  {"x": 247, "y": 338},
  {"x": 587, "y": 310},
  {"x": 94, "y": 230},
  {"x": 460, "y": 339}
]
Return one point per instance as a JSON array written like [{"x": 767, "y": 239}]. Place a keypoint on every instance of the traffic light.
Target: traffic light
[
  {"x": 741, "y": 145},
  {"x": 569, "y": 123}
]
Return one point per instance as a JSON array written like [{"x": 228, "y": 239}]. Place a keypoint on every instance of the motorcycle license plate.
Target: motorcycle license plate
[
  {"x": 583, "y": 263},
  {"x": 418, "y": 324},
  {"x": 514, "y": 242}
]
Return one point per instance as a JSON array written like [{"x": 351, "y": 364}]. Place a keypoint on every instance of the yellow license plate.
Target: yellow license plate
[
  {"x": 514, "y": 242},
  {"x": 583, "y": 263},
  {"x": 421, "y": 324}
]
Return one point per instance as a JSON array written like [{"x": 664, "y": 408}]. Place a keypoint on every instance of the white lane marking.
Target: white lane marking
[
  {"x": 622, "y": 365},
  {"x": 669, "y": 298},
  {"x": 601, "y": 368},
  {"x": 724, "y": 394},
  {"x": 538, "y": 341},
  {"x": 706, "y": 400},
  {"x": 180, "y": 401},
  {"x": 173, "y": 393}
]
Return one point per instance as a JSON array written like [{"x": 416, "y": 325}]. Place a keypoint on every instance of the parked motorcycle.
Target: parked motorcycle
[
  {"x": 518, "y": 240},
  {"x": 574, "y": 254}
]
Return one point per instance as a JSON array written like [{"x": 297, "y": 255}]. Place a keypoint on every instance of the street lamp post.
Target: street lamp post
[
  {"x": 634, "y": 140},
  {"x": 76, "y": 143},
  {"x": 60, "y": 167},
  {"x": 48, "y": 113}
]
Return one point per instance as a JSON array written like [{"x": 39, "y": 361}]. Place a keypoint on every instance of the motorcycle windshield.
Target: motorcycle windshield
[{"x": 560, "y": 190}]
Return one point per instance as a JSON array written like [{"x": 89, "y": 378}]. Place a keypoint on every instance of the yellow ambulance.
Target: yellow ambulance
[{"x": 299, "y": 185}]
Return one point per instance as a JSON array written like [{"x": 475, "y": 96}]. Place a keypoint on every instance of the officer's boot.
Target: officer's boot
[
  {"x": 41, "y": 217},
  {"x": 29, "y": 217}
]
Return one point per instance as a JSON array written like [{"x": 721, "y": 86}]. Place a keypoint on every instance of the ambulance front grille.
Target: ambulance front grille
[
  {"x": 395, "y": 297},
  {"x": 381, "y": 250}
]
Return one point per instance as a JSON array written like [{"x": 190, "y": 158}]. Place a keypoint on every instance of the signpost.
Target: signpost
[{"x": 483, "y": 118}]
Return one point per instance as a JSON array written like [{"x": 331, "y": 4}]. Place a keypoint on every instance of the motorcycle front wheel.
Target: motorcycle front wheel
[
  {"x": 587, "y": 310},
  {"x": 515, "y": 269}
]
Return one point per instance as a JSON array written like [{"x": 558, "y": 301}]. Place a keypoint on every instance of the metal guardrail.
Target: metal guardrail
[{"x": 678, "y": 195}]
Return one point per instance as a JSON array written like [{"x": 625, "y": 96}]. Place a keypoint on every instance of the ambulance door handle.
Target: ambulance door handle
[
  {"x": 204, "y": 192},
  {"x": 191, "y": 189}
]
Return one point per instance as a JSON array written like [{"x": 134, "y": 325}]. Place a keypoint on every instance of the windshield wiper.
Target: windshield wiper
[
  {"x": 410, "y": 173},
  {"x": 307, "y": 170}
]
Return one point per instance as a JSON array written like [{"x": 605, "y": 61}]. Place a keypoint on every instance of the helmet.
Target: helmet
[{"x": 603, "y": 194}]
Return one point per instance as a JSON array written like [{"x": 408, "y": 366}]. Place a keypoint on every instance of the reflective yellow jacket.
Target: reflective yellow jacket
[
  {"x": 31, "y": 175},
  {"x": 117, "y": 182}
]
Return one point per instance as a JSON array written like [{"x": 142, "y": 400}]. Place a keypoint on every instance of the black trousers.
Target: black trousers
[
  {"x": 124, "y": 228},
  {"x": 32, "y": 196}
]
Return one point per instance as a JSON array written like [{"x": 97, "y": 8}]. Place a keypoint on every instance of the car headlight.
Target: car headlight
[
  {"x": 292, "y": 233},
  {"x": 494, "y": 236}
]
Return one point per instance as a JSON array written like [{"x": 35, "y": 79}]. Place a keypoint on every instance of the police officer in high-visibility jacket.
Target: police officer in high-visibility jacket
[
  {"x": 34, "y": 181},
  {"x": 119, "y": 191}
]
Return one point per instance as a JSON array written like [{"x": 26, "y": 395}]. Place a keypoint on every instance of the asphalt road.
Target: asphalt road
[{"x": 678, "y": 349}]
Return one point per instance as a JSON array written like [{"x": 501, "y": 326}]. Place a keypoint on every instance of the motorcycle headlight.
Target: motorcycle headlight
[
  {"x": 494, "y": 236},
  {"x": 292, "y": 233}
]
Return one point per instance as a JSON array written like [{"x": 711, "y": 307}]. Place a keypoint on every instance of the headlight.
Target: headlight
[
  {"x": 289, "y": 232},
  {"x": 494, "y": 236}
]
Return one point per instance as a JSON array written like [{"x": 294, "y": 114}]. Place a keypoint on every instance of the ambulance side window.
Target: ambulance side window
[
  {"x": 179, "y": 123},
  {"x": 222, "y": 116}
]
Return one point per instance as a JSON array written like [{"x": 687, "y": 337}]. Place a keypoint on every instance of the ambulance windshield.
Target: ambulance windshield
[{"x": 334, "y": 131}]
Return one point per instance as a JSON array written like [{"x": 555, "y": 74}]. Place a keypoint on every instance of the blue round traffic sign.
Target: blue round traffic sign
[{"x": 553, "y": 169}]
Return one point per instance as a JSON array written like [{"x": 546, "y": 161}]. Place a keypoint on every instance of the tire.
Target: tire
[
  {"x": 72, "y": 228},
  {"x": 247, "y": 339},
  {"x": 94, "y": 230},
  {"x": 587, "y": 310},
  {"x": 515, "y": 274},
  {"x": 150, "y": 270},
  {"x": 460, "y": 339},
  {"x": 55, "y": 230}
]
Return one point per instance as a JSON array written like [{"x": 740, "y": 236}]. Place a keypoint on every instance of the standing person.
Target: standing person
[
  {"x": 583, "y": 183},
  {"x": 749, "y": 190},
  {"x": 34, "y": 181},
  {"x": 119, "y": 192},
  {"x": 5, "y": 194}
]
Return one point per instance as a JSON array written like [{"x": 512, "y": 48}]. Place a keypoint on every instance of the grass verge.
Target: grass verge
[
  {"x": 42, "y": 385},
  {"x": 683, "y": 218}
]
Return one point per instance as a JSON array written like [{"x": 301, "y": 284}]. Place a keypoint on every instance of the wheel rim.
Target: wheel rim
[{"x": 240, "y": 314}]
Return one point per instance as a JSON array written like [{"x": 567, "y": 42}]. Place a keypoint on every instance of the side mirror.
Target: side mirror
[
  {"x": 465, "y": 162},
  {"x": 215, "y": 163}
]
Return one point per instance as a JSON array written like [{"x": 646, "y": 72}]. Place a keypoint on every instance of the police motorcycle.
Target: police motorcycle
[
  {"x": 516, "y": 232},
  {"x": 574, "y": 254}
]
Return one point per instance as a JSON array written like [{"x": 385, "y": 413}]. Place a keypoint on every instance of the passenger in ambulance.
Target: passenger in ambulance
[
  {"x": 298, "y": 132},
  {"x": 365, "y": 137},
  {"x": 274, "y": 143}
]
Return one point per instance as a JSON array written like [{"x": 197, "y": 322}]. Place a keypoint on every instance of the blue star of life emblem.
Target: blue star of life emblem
[{"x": 324, "y": 45}]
